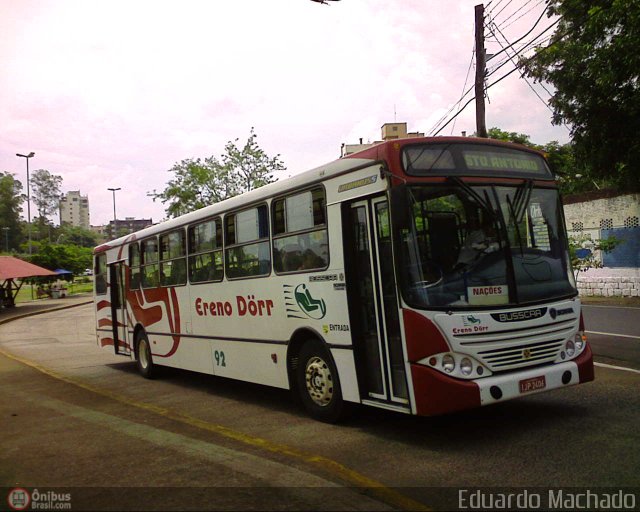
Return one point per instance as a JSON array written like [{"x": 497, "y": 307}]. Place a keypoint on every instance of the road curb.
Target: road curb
[{"x": 44, "y": 310}]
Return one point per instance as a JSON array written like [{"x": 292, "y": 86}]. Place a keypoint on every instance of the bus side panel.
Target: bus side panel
[
  {"x": 104, "y": 332},
  {"x": 261, "y": 363},
  {"x": 346, "y": 367}
]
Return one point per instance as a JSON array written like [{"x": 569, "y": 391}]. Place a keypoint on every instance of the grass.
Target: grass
[
  {"x": 24, "y": 295},
  {"x": 611, "y": 301}
]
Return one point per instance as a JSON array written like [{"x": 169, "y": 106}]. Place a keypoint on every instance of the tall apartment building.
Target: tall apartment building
[
  {"x": 74, "y": 209},
  {"x": 390, "y": 131}
]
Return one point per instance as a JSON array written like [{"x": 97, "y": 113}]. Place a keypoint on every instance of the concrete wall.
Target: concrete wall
[
  {"x": 600, "y": 214},
  {"x": 609, "y": 282},
  {"x": 604, "y": 213}
]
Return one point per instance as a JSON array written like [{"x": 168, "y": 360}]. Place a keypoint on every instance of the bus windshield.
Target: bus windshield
[{"x": 472, "y": 246}]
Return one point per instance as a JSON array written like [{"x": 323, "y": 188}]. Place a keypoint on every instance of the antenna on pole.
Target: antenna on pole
[{"x": 481, "y": 65}]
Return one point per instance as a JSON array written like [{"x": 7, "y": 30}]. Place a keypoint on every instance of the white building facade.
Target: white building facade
[{"x": 74, "y": 209}]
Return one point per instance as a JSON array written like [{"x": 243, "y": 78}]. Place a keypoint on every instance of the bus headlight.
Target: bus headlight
[
  {"x": 460, "y": 366},
  {"x": 580, "y": 340},
  {"x": 448, "y": 363},
  {"x": 570, "y": 348},
  {"x": 466, "y": 366}
]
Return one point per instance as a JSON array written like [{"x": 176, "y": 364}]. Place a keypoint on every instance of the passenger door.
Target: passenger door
[
  {"x": 373, "y": 303},
  {"x": 119, "y": 308}
]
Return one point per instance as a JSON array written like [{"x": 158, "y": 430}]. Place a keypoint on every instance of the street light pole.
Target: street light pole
[
  {"x": 115, "y": 219},
  {"x": 26, "y": 157}
]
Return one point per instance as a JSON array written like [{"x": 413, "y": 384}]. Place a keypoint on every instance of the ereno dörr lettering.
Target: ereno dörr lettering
[{"x": 244, "y": 306}]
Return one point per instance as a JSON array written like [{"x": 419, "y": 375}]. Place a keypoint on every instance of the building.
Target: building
[
  {"x": 598, "y": 215},
  {"x": 390, "y": 131},
  {"x": 74, "y": 209},
  {"x": 126, "y": 226}
]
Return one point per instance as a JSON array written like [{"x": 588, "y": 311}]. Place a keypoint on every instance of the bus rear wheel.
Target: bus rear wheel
[
  {"x": 317, "y": 383},
  {"x": 144, "y": 359}
]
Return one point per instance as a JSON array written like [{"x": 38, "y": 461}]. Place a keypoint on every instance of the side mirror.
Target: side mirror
[{"x": 400, "y": 207}]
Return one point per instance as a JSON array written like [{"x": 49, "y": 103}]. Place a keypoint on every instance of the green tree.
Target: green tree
[
  {"x": 250, "y": 166},
  {"x": 560, "y": 157},
  {"x": 584, "y": 241},
  {"x": 593, "y": 63},
  {"x": 67, "y": 256},
  {"x": 76, "y": 235},
  {"x": 46, "y": 193},
  {"x": 198, "y": 183},
  {"x": 518, "y": 138},
  {"x": 11, "y": 199}
]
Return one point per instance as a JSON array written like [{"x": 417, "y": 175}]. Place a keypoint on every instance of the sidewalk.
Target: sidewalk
[{"x": 37, "y": 307}]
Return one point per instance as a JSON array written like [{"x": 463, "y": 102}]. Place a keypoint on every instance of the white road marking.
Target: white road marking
[
  {"x": 602, "y": 365},
  {"x": 609, "y": 307},
  {"x": 613, "y": 334}
]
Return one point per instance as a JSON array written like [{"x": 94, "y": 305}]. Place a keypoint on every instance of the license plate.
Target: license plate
[{"x": 534, "y": 384}]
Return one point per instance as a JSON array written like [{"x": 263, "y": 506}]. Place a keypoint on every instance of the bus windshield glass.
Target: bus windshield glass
[{"x": 467, "y": 246}]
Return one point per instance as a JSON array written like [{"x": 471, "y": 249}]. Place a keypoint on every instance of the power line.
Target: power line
[
  {"x": 522, "y": 15},
  {"x": 489, "y": 11},
  {"x": 465, "y": 84},
  {"x": 516, "y": 64},
  {"x": 514, "y": 12},
  {"x": 523, "y": 63},
  {"x": 527, "y": 33},
  {"x": 523, "y": 48},
  {"x": 498, "y": 13}
]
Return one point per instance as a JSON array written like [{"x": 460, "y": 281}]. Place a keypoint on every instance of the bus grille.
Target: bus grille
[
  {"x": 521, "y": 355},
  {"x": 512, "y": 349}
]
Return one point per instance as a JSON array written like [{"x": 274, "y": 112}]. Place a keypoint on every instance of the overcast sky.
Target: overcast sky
[{"x": 112, "y": 94}]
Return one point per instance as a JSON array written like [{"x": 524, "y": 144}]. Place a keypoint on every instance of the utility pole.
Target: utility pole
[{"x": 481, "y": 64}]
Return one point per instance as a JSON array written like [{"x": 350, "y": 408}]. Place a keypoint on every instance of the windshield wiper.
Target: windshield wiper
[
  {"x": 518, "y": 208},
  {"x": 521, "y": 199}
]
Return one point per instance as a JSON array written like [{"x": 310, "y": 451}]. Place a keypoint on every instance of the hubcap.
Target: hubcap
[{"x": 319, "y": 381}]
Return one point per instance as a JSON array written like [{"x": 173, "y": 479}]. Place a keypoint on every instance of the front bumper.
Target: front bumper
[{"x": 437, "y": 393}]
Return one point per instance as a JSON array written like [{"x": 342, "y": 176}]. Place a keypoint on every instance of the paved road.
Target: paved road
[
  {"x": 614, "y": 333},
  {"x": 75, "y": 416}
]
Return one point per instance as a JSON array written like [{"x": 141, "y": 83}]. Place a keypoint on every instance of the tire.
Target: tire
[
  {"x": 317, "y": 383},
  {"x": 144, "y": 359}
]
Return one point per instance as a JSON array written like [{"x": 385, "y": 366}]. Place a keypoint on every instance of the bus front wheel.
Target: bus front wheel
[
  {"x": 318, "y": 384},
  {"x": 144, "y": 358}
]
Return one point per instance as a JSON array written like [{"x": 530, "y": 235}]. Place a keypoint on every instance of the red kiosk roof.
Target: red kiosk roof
[{"x": 15, "y": 268}]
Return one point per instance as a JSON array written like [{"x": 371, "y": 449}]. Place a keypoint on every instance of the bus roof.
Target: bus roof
[
  {"x": 323, "y": 172},
  {"x": 383, "y": 151}
]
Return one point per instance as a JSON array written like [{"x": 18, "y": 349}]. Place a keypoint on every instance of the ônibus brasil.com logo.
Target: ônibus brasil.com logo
[{"x": 20, "y": 499}]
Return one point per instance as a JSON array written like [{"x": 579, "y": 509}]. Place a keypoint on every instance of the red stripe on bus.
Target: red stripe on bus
[
  {"x": 174, "y": 322},
  {"x": 103, "y": 304},
  {"x": 105, "y": 322},
  {"x": 423, "y": 336},
  {"x": 104, "y": 342}
]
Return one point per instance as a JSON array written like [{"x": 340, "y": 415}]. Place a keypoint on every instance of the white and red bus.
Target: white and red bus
[{"x": 423, "y": 275}]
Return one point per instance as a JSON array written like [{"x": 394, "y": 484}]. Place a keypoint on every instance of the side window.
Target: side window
[
  {"x": 149, "y": 267},
  {"x": 134, "y": 265},
  {"x": 173, "y": 261},
  {"x": 205, "y": 251},
  {"x": 300, "y": 240},
  {"x": 247, "y": 243},
  {"x": 100, "y": 274}
]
